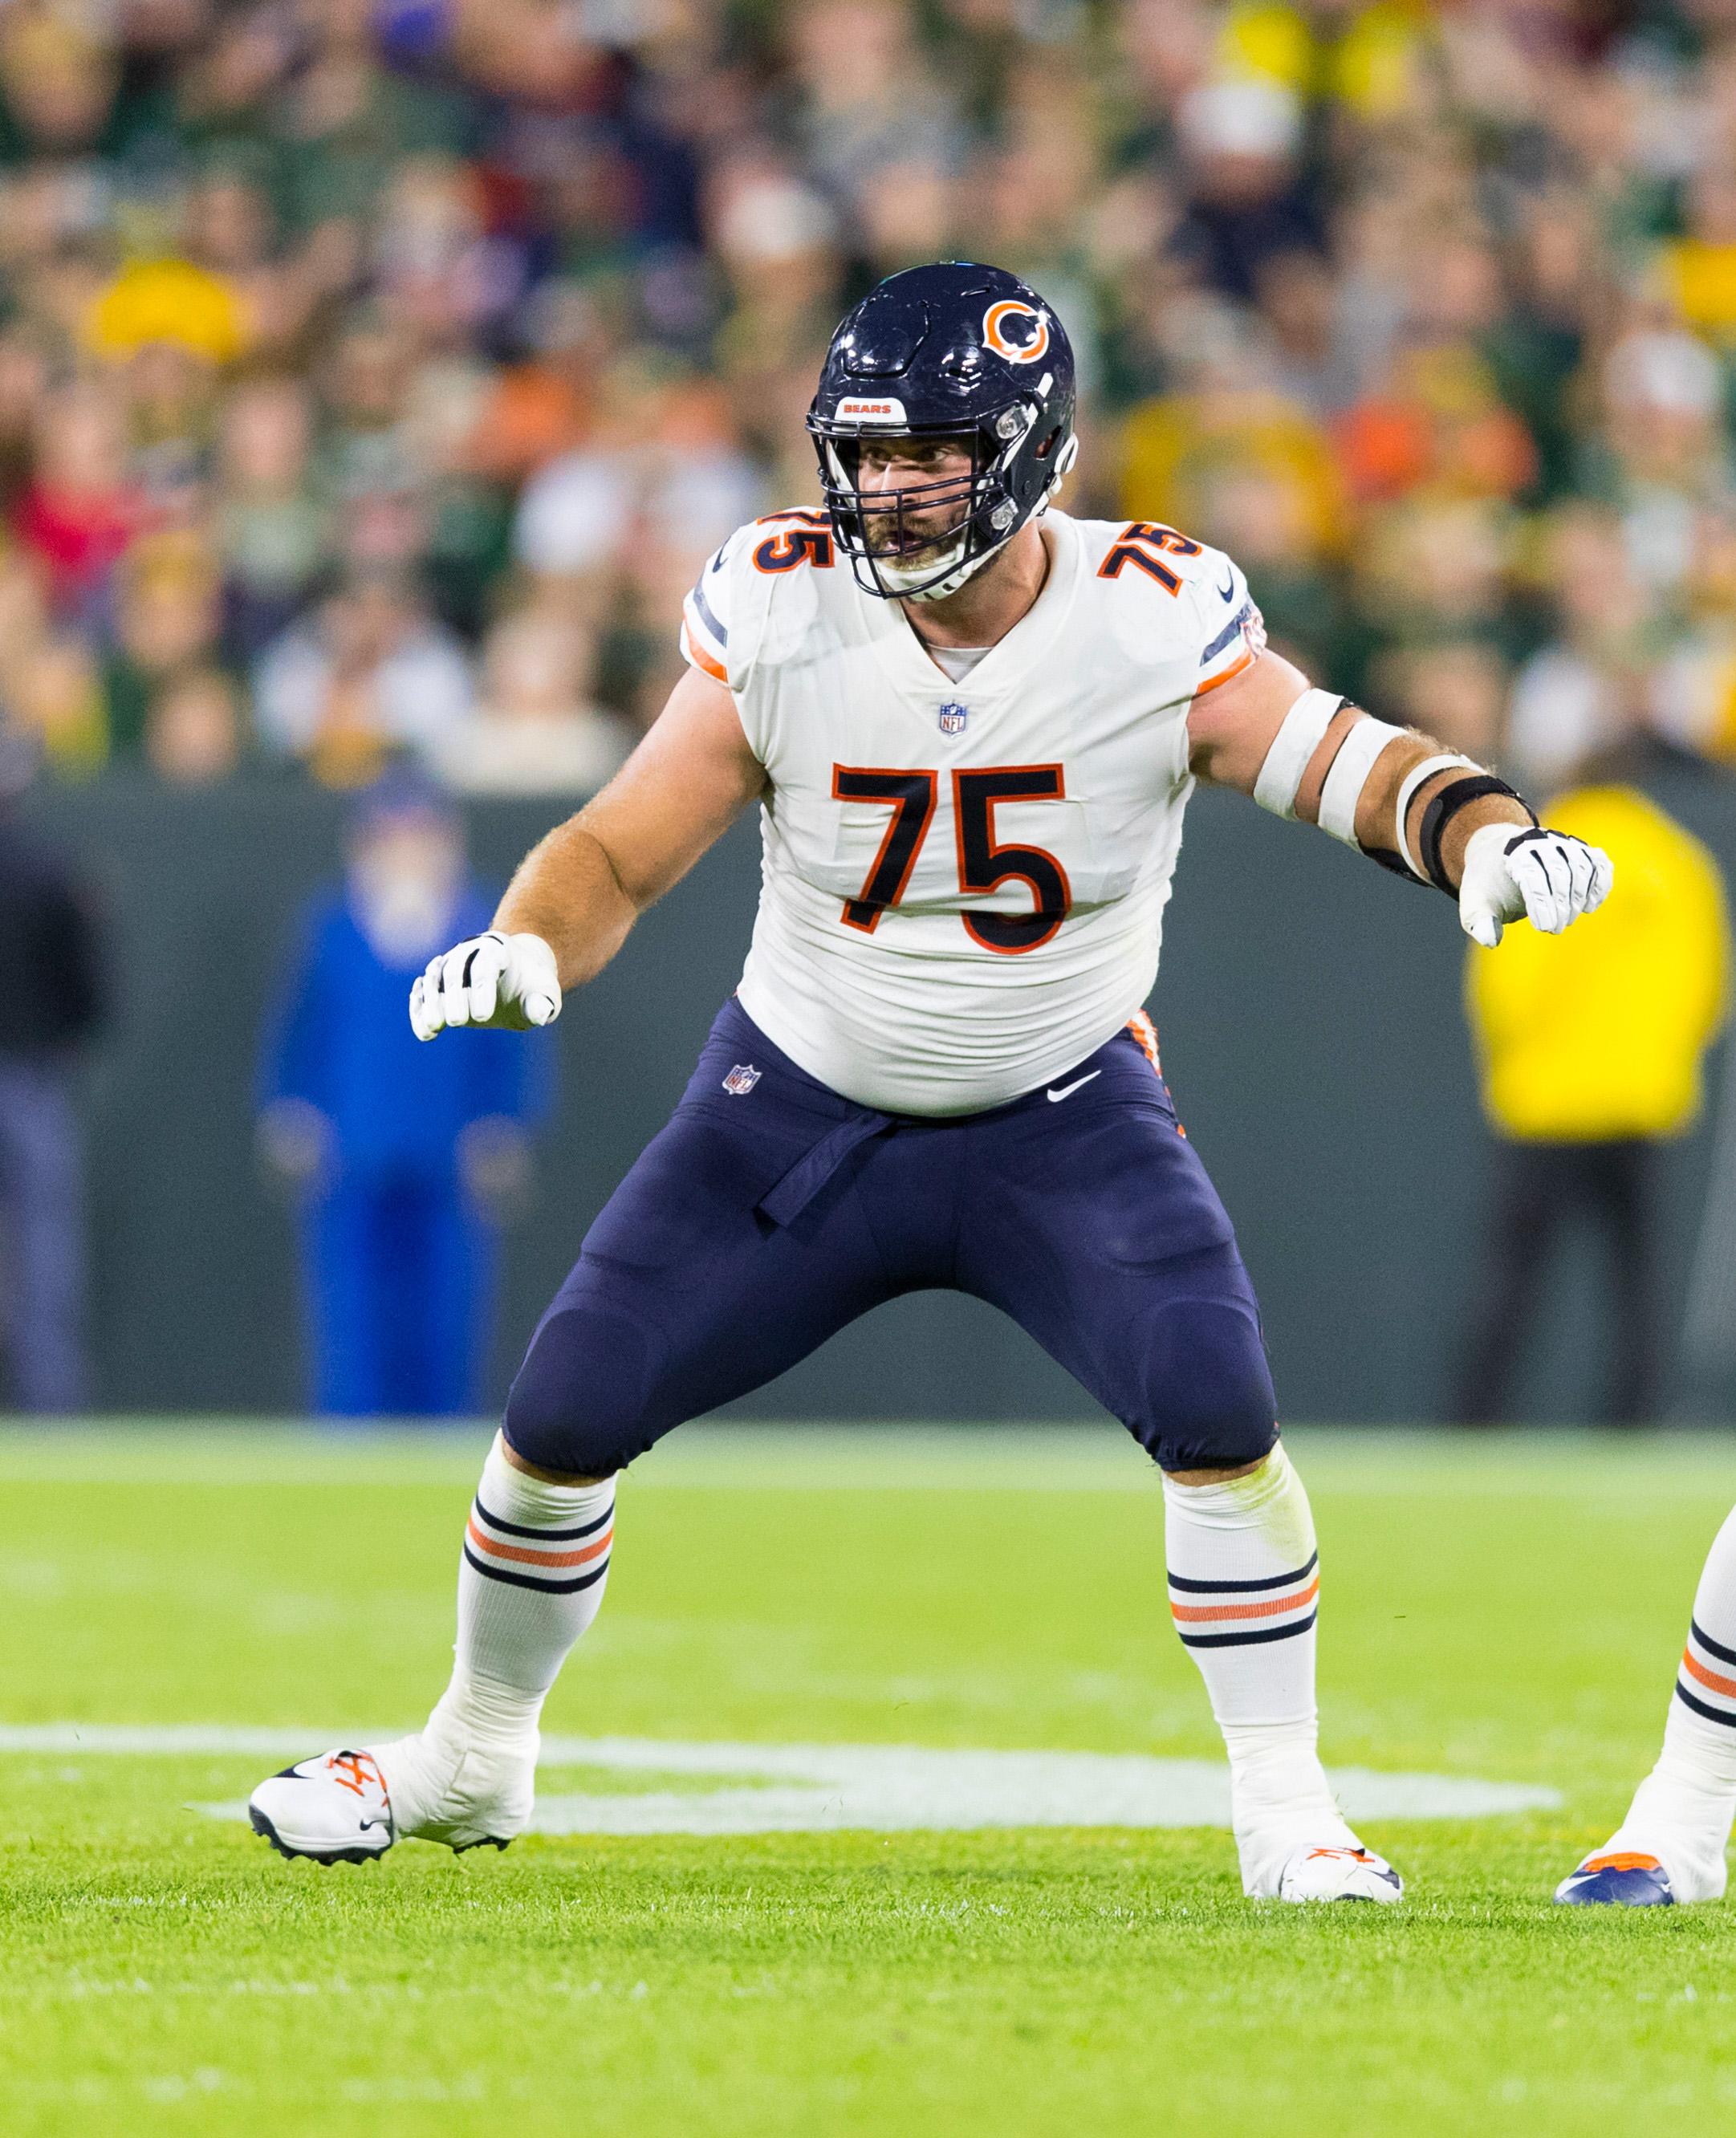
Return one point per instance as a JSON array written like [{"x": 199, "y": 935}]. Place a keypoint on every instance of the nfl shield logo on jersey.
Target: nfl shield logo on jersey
[
  {"x": 741, "y": 1079},
  {"x": 953, "y": 716}
]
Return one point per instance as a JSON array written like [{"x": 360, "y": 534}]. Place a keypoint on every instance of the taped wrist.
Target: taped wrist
[{"x": 1458, "y": 794}]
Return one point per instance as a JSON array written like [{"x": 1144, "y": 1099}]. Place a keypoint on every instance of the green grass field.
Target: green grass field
[{"x": 1494, "y": 1609}]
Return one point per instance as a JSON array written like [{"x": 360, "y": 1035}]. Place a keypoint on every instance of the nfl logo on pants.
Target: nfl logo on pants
[
  {"x": 953, "y": 716},
  {"x": 741, "y": 1079}
]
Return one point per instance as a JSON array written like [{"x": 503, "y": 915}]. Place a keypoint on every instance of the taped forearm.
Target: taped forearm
[{"x": 1391, "y": 793}]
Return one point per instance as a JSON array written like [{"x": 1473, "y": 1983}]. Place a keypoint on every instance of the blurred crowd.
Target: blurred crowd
[{"x": 374, "y": 373}]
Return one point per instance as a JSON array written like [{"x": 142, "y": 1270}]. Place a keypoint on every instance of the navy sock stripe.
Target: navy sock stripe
[
  {"x": 556, "y": 1536},
  {"x": 1249, "y": 1640},
  {"x": 1711, "y": 1646},
  {"x": 1699, "y": 1708},
  {"x": 531, "y": 1581},
  {"x": 1248, "y": 1587}
]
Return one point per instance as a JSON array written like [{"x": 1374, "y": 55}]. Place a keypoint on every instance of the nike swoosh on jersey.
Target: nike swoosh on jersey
[
  {"x": 1067, "y": 1091},
  {"x": 1229, "y": 592}
]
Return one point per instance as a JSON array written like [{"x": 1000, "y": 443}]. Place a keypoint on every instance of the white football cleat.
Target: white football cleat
[
  {"x": 335, "y": 1808},
  {"x": 1295, "y": 1843},
  {"x": 351, "y": 1807},
  {"x": 1333, "y": 1874}
]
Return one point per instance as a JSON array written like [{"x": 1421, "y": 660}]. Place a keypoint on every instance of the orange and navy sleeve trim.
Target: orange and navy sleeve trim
[
  {"x": 1243, "y": 660},
  {"x": 1235, "y": 629},
  {"x": 1237, "y": 644},
  {"x": 704, "y": 633}
]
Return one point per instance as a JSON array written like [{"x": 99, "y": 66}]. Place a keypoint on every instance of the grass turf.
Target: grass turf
[{"x": 1501, "y": 1609}]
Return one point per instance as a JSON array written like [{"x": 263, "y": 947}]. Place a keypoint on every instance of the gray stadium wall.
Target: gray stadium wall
[{"x": 1310, "y": 1014}]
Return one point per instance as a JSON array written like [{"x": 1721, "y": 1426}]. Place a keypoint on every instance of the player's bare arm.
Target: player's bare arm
[
  {"x": 1399, "y": 796},
  {"x": 577, "y": 894}
]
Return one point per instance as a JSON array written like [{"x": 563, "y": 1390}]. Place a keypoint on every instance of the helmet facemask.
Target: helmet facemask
[{"x": 896, "y": 559}]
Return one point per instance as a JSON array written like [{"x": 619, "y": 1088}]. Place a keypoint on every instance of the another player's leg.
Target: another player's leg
[
  {"x": 1671, "y": 1846},
  {"x": 687, "y": 1294},
  {"x": 1099, "y": 1231}
]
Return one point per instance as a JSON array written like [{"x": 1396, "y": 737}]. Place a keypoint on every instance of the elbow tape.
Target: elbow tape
[
  {"x": 1349, "y": 776},
  {"x": 1293, "y": 744}
]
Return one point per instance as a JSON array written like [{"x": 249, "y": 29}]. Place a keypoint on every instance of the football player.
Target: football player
[
  {"x": 972, "y": 724},
  {"x": 1671, "y": 1846}
]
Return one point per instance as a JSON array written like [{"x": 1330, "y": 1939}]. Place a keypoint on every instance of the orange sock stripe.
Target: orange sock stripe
[
  {"x": 1271, "y": 1607},
  {"x": 484, "y": 1542},
  {"x": 1710, "y": 1679}
]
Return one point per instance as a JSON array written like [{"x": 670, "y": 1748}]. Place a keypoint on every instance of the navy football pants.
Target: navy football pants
[{"x": 761, "y": 1219}]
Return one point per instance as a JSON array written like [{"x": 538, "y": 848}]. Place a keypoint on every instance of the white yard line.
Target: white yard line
[{"x": 811, "y": 1788}]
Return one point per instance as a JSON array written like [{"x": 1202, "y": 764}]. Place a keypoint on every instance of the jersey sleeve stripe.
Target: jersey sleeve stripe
[
  {"x": 1231, "y": 631},
  {"x": 700, "y": 657},
  {"x": 707, "y": 615},
  {"x": 700, "y": 622},
  {"x": 1235, "y": 668}
]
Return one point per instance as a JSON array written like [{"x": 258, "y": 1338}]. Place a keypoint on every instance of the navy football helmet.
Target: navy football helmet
[{"x": 954, "y": 350}]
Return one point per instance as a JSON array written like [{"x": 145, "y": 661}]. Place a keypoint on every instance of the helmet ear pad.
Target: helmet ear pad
[{"x": 1064, "y": 461}]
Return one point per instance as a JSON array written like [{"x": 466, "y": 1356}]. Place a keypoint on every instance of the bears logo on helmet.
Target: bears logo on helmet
[{"x": 1017, "y": 331}]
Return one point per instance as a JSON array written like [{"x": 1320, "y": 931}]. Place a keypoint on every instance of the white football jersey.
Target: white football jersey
[{"x": 963, "y": 883}]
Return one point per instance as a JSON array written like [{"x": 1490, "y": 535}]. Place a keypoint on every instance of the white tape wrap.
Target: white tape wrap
[
  {"x": 1412, "y": 780},
  {"x": 1293, "y": 744},
  {"x": 1349, "y": 775}
]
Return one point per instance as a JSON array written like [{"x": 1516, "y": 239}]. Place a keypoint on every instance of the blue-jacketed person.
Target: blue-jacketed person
[{"x": 406, "y": 1156}]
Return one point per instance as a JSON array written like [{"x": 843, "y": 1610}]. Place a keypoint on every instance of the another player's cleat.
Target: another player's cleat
[
  {"x": 335, "y": 1808},
  {"x": 1620, "y": 1878},
  {"x": 1339, "y": 1874}
]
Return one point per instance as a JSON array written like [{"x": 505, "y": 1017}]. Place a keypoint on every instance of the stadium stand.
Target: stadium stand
[{"x": 372, "y": 378}]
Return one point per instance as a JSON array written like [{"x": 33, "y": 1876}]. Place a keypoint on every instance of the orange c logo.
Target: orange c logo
[{"x": 1029, "y": 337}]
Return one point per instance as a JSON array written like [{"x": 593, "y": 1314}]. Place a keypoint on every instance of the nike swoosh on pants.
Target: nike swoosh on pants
[{"x": 1067, "y": 1091}]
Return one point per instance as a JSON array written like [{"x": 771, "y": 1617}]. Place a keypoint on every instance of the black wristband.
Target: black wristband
[{"x": 1456, "y": 795}]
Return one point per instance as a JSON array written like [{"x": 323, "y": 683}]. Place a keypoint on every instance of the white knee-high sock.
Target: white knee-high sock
[
  {"x": 1243, "y": 1584},
  {"x": 534, "y": 1564},
  {"x": 1683, "y": 1809}
]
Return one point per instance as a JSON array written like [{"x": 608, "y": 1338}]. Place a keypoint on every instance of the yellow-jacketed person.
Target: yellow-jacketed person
[{"x": 1590, "y": 1049}]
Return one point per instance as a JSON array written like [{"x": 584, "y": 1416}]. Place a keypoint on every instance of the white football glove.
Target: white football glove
[
  {"x": 510, "y": 982},
  {"x": 1548, "y": 878}
]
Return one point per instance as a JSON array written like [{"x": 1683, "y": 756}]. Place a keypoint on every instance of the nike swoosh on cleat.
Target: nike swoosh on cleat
[{"x": 1067, "y": 1091}]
